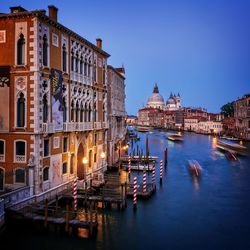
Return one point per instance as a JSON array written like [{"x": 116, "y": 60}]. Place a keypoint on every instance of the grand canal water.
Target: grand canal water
[{"x": 210, "y": 213}]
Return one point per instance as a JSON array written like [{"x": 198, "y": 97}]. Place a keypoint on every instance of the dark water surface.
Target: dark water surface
[{"x": 185, "y": 213}]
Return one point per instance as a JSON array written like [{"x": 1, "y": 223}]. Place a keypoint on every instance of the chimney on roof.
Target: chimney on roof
[
  {"x": 53, "y": 12},
  {"x": 99, "y": 43},
  {"x": 17, "y": 9}
]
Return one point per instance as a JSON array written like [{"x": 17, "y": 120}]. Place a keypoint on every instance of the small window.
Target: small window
[
  {"x": 20, "y": 148},
  {"x": 46, "y": 147},
  {"x": 20, "y": 175},
  {"x": 46, "y": 174},
  {"x": 1, "y": 147},
  {"x": 65, "y": 168},
  {"x": 65, "y": 144},
  {"x": 95, "y": 156}
]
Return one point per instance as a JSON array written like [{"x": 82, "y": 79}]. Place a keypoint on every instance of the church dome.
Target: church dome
[
  {"x": 155, "y": 100},
  {"x": 171, "y": 99}
]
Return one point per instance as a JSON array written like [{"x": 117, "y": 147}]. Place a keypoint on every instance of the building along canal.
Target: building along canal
[{"x": 210, "y": 212}]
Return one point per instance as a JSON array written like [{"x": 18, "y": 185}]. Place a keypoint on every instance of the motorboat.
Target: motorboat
[
  {"x": 194, "y": 167},
  {"x": 143, "y": 128},
  {"x": 232, "y": 147},
  {"x": 175, "y": 137},
  {"x": 230, "y": 138}
]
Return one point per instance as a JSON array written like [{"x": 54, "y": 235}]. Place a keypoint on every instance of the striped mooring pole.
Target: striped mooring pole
[
  {"x": 135, "y": 192},
  {"x": 153, "y": 173},
  {"x": 144, "y": 181},
  {"x": 160, "y": 171},
  {"x": 75, "y": 193},
  {"x": 129, "y": 166}
]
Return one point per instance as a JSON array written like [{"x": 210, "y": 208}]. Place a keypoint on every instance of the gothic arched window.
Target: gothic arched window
[
  {"x": 64, "y": 107},
  {"x": 45, "y": 50},
  {"x": 77, "y": 60},
  {"x": 45, "y": 109},
  {"x": 72, "y": 60},
  {"x": 64, "y": 58},
  {"x": 20, "y": 111},
  {"x": 21, "y": 50}
]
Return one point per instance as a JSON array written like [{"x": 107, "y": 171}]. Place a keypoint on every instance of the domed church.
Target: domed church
[{"x": 157, "y": 101}]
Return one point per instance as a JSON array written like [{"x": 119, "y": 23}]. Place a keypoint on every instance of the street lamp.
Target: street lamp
[
  {"x": 85, "y": 162},
  {"x": 103, "y": 155}
]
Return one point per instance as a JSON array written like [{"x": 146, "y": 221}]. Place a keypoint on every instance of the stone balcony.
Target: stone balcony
[
  {"x": 20, "y": 158},
  {"x": 47, "y": 128},
  {"x": 1, "y": 158},
  {"x": 97, "y": 125},
  {"x": 77, "y": 126}
]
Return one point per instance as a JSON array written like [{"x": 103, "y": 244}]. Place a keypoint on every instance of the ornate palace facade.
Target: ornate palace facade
[{"x": 53, "y": 102}]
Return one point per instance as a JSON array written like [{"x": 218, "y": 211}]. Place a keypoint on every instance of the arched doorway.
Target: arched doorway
[{"x": 80, "y": 165}]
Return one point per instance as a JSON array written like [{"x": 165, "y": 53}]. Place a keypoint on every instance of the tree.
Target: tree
[{"x": 228, "y": 109}]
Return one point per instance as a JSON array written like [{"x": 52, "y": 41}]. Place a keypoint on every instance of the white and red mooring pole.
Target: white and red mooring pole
[
  {"x": 75, "y": 193},
  {"x": 153, "y": 173},
  {"x": 144, "y": 186},
  {"x": 161, "y": 171},
  {"x": 129, "y": 166},
  {"x": 135, "y": 193}
]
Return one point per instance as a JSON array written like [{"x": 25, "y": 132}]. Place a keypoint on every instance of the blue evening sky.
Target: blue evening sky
[{"x": 200, "y": 49}]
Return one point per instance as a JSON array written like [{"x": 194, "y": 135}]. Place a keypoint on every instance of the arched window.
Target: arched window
[
  {"x": 21, "y": 50},
  {"x": 77, "y": 60},
  {"x": 89, "y": 111},
  {"x": 72, "y": 111},
  {"x": 95, "y": 73},
  {"x": 95, "y": 113},
  {"x": 89, "y": 68},
  {"x": 81, "y": 113},
  {"x": 45, "y": 50},
  {"x": 20, "y": 111},
  {"x": 103, "y": 113},
  {"x": 85, "y": 67},
  {"x": 77, "y": 112},
  {"x": 64, "y": 57},
  {"x": 46, "y": 174},
  {"x": 19, "y": 175},
  {"x": 103, "y": 75},
  {"x": 72, "y": 60},
  {"x": 81, "y": 65},
  {"x": 64, "y": 107},
  {"x": 85, "y": 113},
  {"x": 45, "y": 109}
]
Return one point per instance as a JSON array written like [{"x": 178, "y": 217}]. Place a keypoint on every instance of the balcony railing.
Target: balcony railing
[
  {"x": 77, "y": 126},
  {"x": 1, "y": 158},
  {"x": 105, "y": 125},
  {"x": 47, "y": 128},
  {"x": 97, "y": 125},
  {"x": 20, "y": 158}
]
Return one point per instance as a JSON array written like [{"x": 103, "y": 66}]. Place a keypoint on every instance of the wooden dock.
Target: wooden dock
[{"x": 151, "y": 188}]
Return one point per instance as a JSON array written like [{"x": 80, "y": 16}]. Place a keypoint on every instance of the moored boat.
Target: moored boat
[{"x": 233, "y": 147}]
